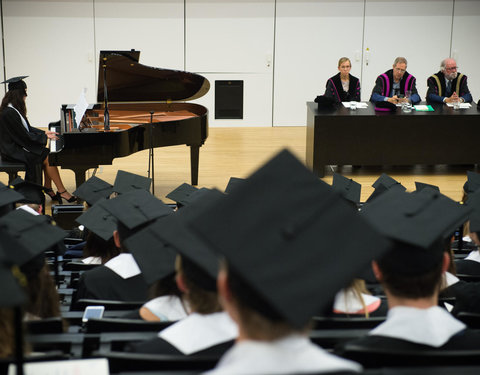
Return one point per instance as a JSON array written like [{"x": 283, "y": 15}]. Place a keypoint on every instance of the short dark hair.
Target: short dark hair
[{"x": 407, "y": 284}]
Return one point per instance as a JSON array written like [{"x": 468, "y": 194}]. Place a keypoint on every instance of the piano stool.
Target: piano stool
[{"x": 11, "y": 168}]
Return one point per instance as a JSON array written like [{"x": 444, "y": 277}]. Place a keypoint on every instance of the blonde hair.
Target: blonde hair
[{"x": 342, "y": 60}]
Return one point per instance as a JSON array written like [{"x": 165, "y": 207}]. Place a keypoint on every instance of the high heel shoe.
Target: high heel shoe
[
  {"x": 52, "y": 195},
  {"x": 72, "y": 199}
]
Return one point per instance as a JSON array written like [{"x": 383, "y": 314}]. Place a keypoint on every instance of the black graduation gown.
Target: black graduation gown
[
  {"x": 467, "y": 267},
  {"x": 160, "y": 346},
  {"x": 18, "y": 144},
  {"x": 103, "y": 283},
  {"x": 464, "y": 340}
]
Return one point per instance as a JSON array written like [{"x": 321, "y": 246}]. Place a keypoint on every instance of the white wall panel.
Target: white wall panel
[
  {"x": 156, "y": 28},
  {"x": 310, "y": 38},
  {"x": 417, "y": 30},
  {"x": 466, "y": 28},
  {"x": 233, "y": 39},
  {"x": 53, "y": 43},
  {"x": 229, "y": 35},
  {"x": 257, "y": 99}
]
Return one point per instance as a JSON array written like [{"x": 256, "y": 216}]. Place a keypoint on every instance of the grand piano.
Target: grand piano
[{"x": 142, "y": 114}]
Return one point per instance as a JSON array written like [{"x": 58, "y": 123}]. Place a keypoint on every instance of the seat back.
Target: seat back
[{"x": 123, "y": 325}]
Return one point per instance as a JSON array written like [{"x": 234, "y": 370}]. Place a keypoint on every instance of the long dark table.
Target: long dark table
[{"x": 365, "y": 137}]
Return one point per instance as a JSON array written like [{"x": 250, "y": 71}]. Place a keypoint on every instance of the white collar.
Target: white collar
[
  {"x": 433, "y": 326},
  {"x": 92, "y": 260},
  {"x": 24, "y": 122},
  {"x": 292, "y": 354},
  {"x": 474, "y": 255},
  {"x": 197, "y": 332},
  {"x": 346, "y": 301},
  {"x": 29, "y": 209},
  {"x": 450, "y": 279},
  {"x": 167, "y": 308},
  {"x": 124, "y": 265}
]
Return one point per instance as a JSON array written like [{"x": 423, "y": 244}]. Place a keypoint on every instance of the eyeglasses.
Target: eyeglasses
[{"x": 452, "y": 68}]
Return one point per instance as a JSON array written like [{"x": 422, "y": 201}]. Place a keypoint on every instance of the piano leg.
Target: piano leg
[
  {"x": 194, "y": 157},
  {"x": 80, "y": 175}
]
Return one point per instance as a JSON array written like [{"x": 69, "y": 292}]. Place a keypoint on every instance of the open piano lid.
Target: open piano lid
[{"x": 130, "y": 81}]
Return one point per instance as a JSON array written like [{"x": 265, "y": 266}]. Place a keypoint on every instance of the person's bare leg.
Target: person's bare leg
[
  {"x": 47, "y": 180},
  {"x": 54, "y": 175}
]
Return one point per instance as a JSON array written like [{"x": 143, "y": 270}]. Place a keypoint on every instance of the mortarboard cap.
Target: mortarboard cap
[
  {"x": 325, "y": 102},
  {"x": 32, "y": 192},
  {"x": 16, "y": 83},
  {"x": 384, "y": 106},
  {"x": 8, "y": 195},
  {"x": 473, "y": 182},
  {"x": 419, "y": 222},
  {"x": 348, "y": 188},
  {"x": 181, "y": 194},
  {"x": 93, "y": 190},
  {"x": 383, "y": 184},
  {"x": 282, "y": 246},
  {"x": 174, "y": 231},
  {"x": 136, "y": 208},
  {"x": 155, "y": 259},
  {"x": 34, "y": 234},
  {"x": 126, "y": 181},
  {"x": 419, "y": 186},
  {"x": 98, "y": 220},
  {"x": 233, "y": 183},
  {"x": 473, "y": 202}
]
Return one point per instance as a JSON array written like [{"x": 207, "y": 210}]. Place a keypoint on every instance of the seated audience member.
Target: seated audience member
[
  {"x": 343, "y": 87},
  {"x": 348, "y": 189},
  {"x": 447, "y": 85},
  {"x": 8, "y": 198},
  {"x": 382, "y": 184},
  {"x": 157, "y": 263},
  {"x": 471, "y": 264},
  {"x": 126, "y": 181},
  {"x": 395, "y": 85},
  {"x": 272, "y": 279},
  {"x": 99, "y": 226},
  {"x": 25, "y": 238},
  {"x": 207, "y": 330},
  {"x": 411, "y": 273},
  {"x": 357, "y": 300},
  {"x": 120, "y": 278},
  {"x": 94, "y": 189}
]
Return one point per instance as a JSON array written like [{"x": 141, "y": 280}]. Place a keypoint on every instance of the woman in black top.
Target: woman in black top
[{"x": 343, "y": 87}]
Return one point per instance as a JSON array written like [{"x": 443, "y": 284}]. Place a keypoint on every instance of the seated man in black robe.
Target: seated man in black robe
[{"x": 411, "y": 273}]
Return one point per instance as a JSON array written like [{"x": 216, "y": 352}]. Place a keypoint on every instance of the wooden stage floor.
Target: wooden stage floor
[{"x": 240, "y": 151}]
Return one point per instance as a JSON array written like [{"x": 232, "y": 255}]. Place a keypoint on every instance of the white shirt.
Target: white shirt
[
  {"x": 473, "y": 255},
  {"x": 346, "y": 301},
  {"x": 92, "y": 260},
  {"x": 292, "y": 354},
  {"x": 167, "y": 308},
  {"x": 433, "y": 326},
  {"x": 198, "y": 332},
  {"x": 124, "y": 265}
]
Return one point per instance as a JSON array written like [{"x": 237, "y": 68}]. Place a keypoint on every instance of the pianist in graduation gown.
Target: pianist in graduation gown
[{"x": 21, "y": 142}]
